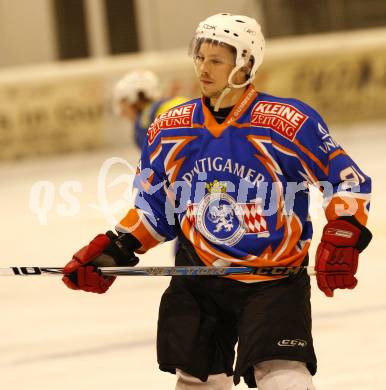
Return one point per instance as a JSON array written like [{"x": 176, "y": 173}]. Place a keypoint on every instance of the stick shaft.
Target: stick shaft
[{"x": 165, "y": 271}]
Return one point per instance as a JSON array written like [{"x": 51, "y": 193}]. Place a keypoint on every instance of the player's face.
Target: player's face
[
  {"x": 128, "y": 110},
  {"x": 213, "y": 65}
]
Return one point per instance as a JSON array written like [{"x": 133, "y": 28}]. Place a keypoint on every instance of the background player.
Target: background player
[
  {"x": 241, "y": 144},
  {"x": 138, "y": 98}
]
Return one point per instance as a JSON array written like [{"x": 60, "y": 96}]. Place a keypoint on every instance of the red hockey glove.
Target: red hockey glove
[
  {"x": 337, "y": 254},
  {"x": 104, "y": 250}
]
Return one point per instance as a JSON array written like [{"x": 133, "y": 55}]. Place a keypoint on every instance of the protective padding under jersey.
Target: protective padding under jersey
[
  {"x": 214, "y": 382},
  {"x": 283, "y": 375}
]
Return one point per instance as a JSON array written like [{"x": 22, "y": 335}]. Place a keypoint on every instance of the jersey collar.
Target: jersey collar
[{"x": 216, "y": 129}]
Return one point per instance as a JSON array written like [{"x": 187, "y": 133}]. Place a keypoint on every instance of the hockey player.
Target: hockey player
[
  {"x": 229, "y": 175},
  {"x": 137, "y": 98}
]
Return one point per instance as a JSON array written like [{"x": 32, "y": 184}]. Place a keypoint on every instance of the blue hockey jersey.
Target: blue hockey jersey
[
  {"x": 239, "y": 191},
  {"x": 147, "y": 116}
]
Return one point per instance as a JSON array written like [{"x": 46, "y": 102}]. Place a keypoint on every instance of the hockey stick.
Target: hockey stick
[{"x": 166, "y": 271}]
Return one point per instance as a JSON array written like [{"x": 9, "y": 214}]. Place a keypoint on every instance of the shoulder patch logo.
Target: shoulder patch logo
[
  {"x": 175, "y": 118},
  {"x": 280, "y": 117}
]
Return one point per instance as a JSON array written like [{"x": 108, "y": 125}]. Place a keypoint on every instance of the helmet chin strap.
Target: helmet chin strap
[
  {"x": 229, "y": 87},
  {"x": 224, "y": 92}
]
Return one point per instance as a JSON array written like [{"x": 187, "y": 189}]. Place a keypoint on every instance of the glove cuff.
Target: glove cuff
[
  {"x": 365, "y": 234},
  {"x": 122, "y": 248}
]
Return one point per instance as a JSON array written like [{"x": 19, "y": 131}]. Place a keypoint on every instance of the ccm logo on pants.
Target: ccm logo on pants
[{"x": 292, "y": 343}]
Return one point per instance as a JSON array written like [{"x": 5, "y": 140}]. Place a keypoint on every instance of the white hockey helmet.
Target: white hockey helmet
[
  {"x": 133, "y": 84},
  {"x": 241, "y": 32}
]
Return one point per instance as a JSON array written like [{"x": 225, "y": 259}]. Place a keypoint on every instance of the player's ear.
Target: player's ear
[
  {"x": 248, "y": 67},
  {"x": 246, "y": 70}
]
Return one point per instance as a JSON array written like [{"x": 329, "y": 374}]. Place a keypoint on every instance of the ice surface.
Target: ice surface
[{"x": 54, "y": 338}]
